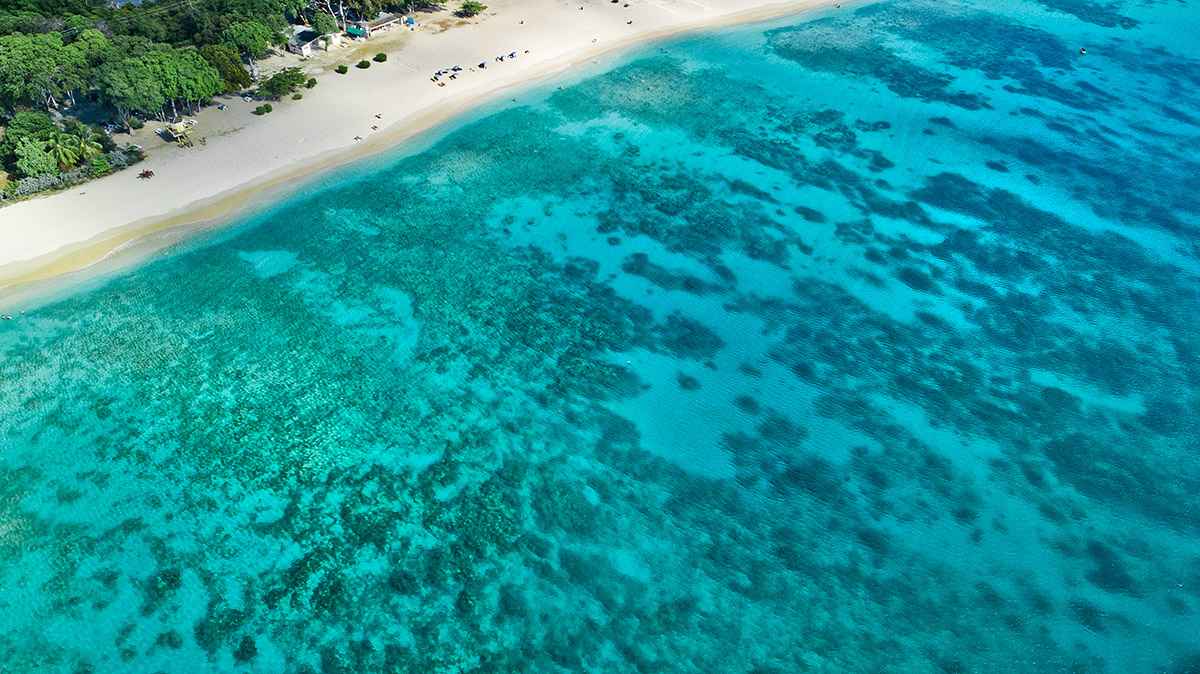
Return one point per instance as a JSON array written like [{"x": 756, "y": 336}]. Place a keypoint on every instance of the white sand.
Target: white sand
[{"x": 246, "y": 153}]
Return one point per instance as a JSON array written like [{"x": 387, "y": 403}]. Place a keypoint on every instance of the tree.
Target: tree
[
  {"x": 249, "y": 38},
  {"x": 209, "y": 28},
  {"x": 368, "y": 9},
  {"x": 228, "y": 65},
  {"x": 267, "y": 12},
  {"x": 64, "y": 148},
  {"x": 282, "y": 82},
  {"x": 86, "y": 146},
  {"x": 39, "y": 68},
  {"x": 33, "y": 159},
  {"x": 182, "y": 75},
  {"x": 324, "y": 23},
  {"x": 198, "y": 81},
  {"x": 126, "y": 46},
  {"x": 471, "y": 8},
  {"x": 129, "y": 85},
  {"x": 91, "y": 141},
  {"x": 29, "y": 124},
  {"x": 92, "y": 47}
]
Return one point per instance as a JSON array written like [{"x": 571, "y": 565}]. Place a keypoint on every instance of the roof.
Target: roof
[
  {"x": 304, "y": 37},
  {"x": 356, "y": 31},
  {"x": 383, "y": 21}
]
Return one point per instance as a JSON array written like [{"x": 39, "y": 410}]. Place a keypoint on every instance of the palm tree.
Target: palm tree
[
  {"x": 65, "y": 148},
  {"x": 86, "y": 147}
]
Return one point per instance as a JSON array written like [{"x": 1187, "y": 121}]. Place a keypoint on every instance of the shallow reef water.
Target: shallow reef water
[{"x": 859, "y": 343}]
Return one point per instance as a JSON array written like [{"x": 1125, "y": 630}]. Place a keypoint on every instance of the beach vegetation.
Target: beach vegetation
[
  {"x": 251, "y": 39},
  {"x": 39, "y": 68},
  {"x": 32, "y": 125},
  {"x": 141, "y": 61},
  {"x": 65, "y": 149},
  {"x": 34, "y": 160},
  {"x": 39, "y": 155},
  {"x": 471, "y": 8},
  {"x": 228, "y": 65},
  {"x": 119, "y": 159},
  {"x": 342, "y": 69},
  {"x": 159, "y": 78},
  {"x": 154, "y": 59},
  {"x": 323, "y": 23},
  {"x": 312, "y": 82},
  {"x": 282, "y": 83},
  {"x": 363, "y": 64},
  {"x": 297, "y": 96},
  {"x": 100, "y": 166}
]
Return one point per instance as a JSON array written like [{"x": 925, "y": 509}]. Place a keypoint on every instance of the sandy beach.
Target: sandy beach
[{"x": 245, "y": 154}]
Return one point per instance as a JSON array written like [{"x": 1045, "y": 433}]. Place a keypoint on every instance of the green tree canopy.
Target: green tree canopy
[
  {"x": 39, "y": 69},
  {"x": 26, "y": 125},
  {"x": 282, "y": 82},
  {"x": 126, "y": 46},
  {"x": 198, "y": 81},
  {"x": 324, "y": 24},
  {"x": 129, "y": 85},
  {"x": 250, "y": 38},
  {"x": 182, "y": 75},
  {"x": 471, "y": 8},
  {"x": 63, "y": 147},
  {"x": 32, "y": 159},
  {"x": 228, "y": 65},
  {"x": 92, "y": 47},
  {"x": 367, "y": 8}
]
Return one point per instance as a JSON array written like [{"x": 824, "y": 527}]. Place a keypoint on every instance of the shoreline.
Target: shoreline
[{"x": 70, "y": 231}]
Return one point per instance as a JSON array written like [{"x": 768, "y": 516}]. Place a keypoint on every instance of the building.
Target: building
[
  {"x": 304, "y": 41},
  {"x": 365, "y": 29}
]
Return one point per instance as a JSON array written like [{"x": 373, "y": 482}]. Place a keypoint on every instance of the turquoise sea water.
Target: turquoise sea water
[{"x": 863, "y": 343}]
